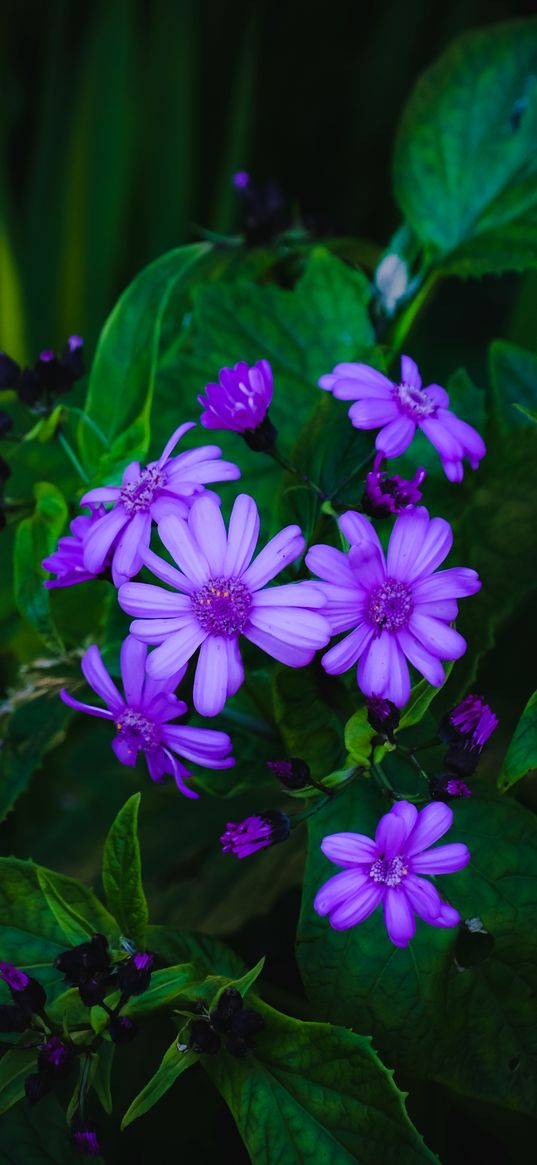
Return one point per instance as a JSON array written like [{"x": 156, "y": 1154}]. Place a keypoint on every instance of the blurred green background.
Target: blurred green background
[{"x": 122, "y": 122}]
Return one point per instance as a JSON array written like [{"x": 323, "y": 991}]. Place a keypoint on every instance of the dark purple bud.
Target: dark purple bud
[
  {"x": 86, "y": 1141},
  {"x": 93, "y": 991},
  {"x": 473, "y": 720},
  {"x": 255, "y": 833},
  {"x": 74, "y": 343},
  {"x": 13, "y": 1018},
  {"x": 9, "y": 371},
  {"x": 383, "y": 716},
  {"x": 203, "y": 1038},
  {"x": 122, "y": 1029},
  {"x": 16, "y": 980},
  {"x": 26, "y": 992},
  {"x": 240, "y": 180},
  {"x": 384, "y": 496},
  {"x": 29, "y": 388},
  {"x": 264, "y": 211},
  {"x": 55, "y": 1059},
  {"x": 293, "y": 773},
  {"x": 6, "y": 423},
  {"x": 247, "y": 1023},
  {"x": 462, "y": 759},
  {"x": 263, "y": 438},
  {"x": 36, "y": 1087},
  {"x": 84, "y": 961},
  {"x": 448, "y": 788},
  {"x": 228, "y": 1006},
  {"x": 134, "y": 975},
  {"x": 72, "y": 358}
]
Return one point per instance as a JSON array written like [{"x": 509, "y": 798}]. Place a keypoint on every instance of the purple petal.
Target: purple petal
[
  {"x": 329, "y": 564},
  {"x": 455, "y": 583},
  {"x": 344, "y": 609},
  {"x": 352, "y": 381},
  {"x": 448, "y": 916},
  {"x": 203, "y": 746},
  {"x": 127, "y": 560},
  {"x": 89, "y": 708},
  {"x": 406, "y": 543},
  {"x": 181, "y": 544},
  {"x": 299, "y": 594},
  {"x": 444, "y": 609},
  {"x": 168, "y": 506},
  {"x": 473, "y": 445},
  {"x": 124, "y": 751},
  {"x": 429, "y": 665},
  {"x": 205, "y": 471},
  {"x": 410, "y": 373},
  {"x": 175, "y": 651},
  {"x": 207, "y": 525},
  {"x": 390, "y": 835},
  {"x": 437, "y": 637},
  {"x": 307, "y": 629},
  {"x": 131, "y": 473},
  {"x": 437, "y": 544},
  {"x": 169, "y": 574},
  {"x": 133, "y": 657},
  {"x": 339, "y": 889},
  {"x": 349, "y": 849},
  {"x": 395, "y": 437},
  {"x": 105, "y": 493},
  {"x": 345, "y": 653},
  {"x": 287, "y": 653},
  {"x": 371, "y": 414},
  {"x": 367, "y": 565},
  {"x": 146, "y": 599},
  {"x": 438, "y": 394},
  {"x": 278, "y": 553},
  {"x": 445, "y": 859},
  {"x": 211, "y": 679},
  {"x": 444, "y": 441},
  {"x": 357, "y": 908},
  {"x": 242, "y": 536},
  {"x": 174, "y": 440},
  {"x": 433, "y": 822},
  {"x": 423, "y": 897},
  {"x": 235, "y": 666},
  {"x": 157, "y": 630},
  {"x": 408, "y": 813},
  {"x": 97, "y": 677},
  {"x": 399, "y": 917},
  {"x": 100, "y": 537},
  {"x": 383, "y": 671},
  {"x": 358, "y": 529}
]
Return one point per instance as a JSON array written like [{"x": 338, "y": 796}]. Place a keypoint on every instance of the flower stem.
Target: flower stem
[
  {"x": 359, "y": 468},
  {"x": 411, "y": 312},
  {"x": 89, "y": 422},
  {"x": 285, "y": 464},
  {"x": 412, "y": 758},
  {"x": 67, "y": 448}
]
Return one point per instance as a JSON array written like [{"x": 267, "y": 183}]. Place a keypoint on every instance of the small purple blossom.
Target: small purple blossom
[
  {"x": 26, "y": 992},
  {"x": 55, "y": 1059},
  {"x": 448, "y": 788},
  {"x": 457, "y": 788},
  {"x": 397, "y": 607},
  {"x": 384, "y": 495},
  {"x": 398, "y": 409},
  {"x": 240, "y": 401},
  {"x": 13, "y": 978},
  {"x": 255, "y": 833},
  {"x": 67, "y": 561},
  {"x": 241, "y": 179},
  {"x": 219, "y": 595},
  {"x": 147, "y": 494},
  {"x": 134, "y": 975},
  {"x": 142, "y": 718},
  {"x": 293, "y": 773},
  {"x": 387, "y": 870},
  {"x": 86, "y": 1141},
  {"x": 474, "y": 720}
]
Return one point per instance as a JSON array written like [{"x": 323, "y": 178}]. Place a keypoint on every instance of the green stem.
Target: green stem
[
  {"x": 319, "y": 804},
  {"x": 67, "y": 448},
  {"x": 359, "y": 469},
  {"x": 382, "y": 781},
  {"x": 89, "y": 422},
  {"x": 285, "y": 464},
  {"x": 409, "y": 315},
  {"x": 412, "y": 758}
]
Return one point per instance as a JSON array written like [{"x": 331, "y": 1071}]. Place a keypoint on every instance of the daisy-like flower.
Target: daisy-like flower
[
  {"x": 397, "y": 607},
  {"x": 240, "y": 402},
  {"x": 387, "y": 870},
  {"x": 467, "y": 729},
  {"x": 219, "y": 595},
  {"x": 147, "y": 494},
  {"x": 255, "y": 833},
  {"x": 142, "y": 718},
  {"x": 398, "y": 409},
  {"x": 67, "y": 561}
]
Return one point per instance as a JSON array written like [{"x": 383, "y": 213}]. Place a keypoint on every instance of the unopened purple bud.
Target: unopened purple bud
[
  {"x": 55, "y": 1059},
  {"x": 26, "y": 991},
  {"x": 293, "y": 773},
  {"x": 16, "y": 980},
  {"x": 143, "y": 961},
  {"x": 239, "y": 402},
  {"x": 75, "y": 342},
  {"x": 9, "y": 371},
  {"x": 382, "y": 715},
  {"x": 384, "y": 495},
  {"x": 448, "y": 788},
  {"x": 203, "y": 1039},
  {"x": 13, "y": 1018},
  {"x": 122, "y": 1029},
  {"x": 241, "y": 180},
  {"x": 134, "y": 975},
  {"x": 458, "y": 788},
  {"x": 86, "y": 1141},
  {"x": 473, "y": 719},
  {"x": 228, "y": 1006},
  {"x": 255, "y": 833},
  {"x": 47, "y": 356}
]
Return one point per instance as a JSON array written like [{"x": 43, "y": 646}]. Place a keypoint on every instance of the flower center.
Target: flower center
[
  {"x": 137, "y": 731},
  {"x": 222, "y": 606},
  {"x": 138, "y": 495},
  {"x": 389, "y": 873},
  {"x": 390, "y": 605},
  {"x": 414, "y": 401}
]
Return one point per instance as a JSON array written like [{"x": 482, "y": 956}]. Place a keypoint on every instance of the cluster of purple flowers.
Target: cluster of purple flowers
[{"x": 395, "y": 608}]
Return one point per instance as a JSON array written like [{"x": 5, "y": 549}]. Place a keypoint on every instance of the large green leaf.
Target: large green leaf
[
  {"x": 513, "y": 373},
  {"x": 122, "y": 873},
  {"x": 315, "y": 1092},
  {"x": 37, "y": 723},
  {"x": 122, "y": 380},
  {"x": 310, "y": 726},
  {"x": 36, "y": 538},
  {"x": 38, "y": 1136},
  {"x": 521, "y": 756},
  {"x": 465, "y": 160},
  {"x": 420, "y": 1007},
  {"x": 14, "y": 1068},
  {"x": 207, "y": 952},
  {"x": 173, "y": 1064}
]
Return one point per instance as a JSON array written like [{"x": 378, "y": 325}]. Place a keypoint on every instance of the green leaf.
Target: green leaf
[
  {"x": 172, "y": 1065},
  {"x": 358, "y": 737},
  {"x": 75, "y": 926},
  {"x": 245, "y": 983},
  {"x": 14, "y": 1068},
  {"x": 166, "y": 990},
  {"x": 513, "y": 373},
  {"x": 122, "y": 379},
  {"x": 478, "y": 102},
  {"x": 309, "y": 726},
  {"x": 314, "y": 1092},
  {"x": 38, "y": 1135},
  {"x": 421, "y": 698},
  {"x": 45, "y": 428},
  {"x": 102, "y": 1074},
  {"x": 207, "y": 952},
  {"x": 521, "y": 756},
  {"x": 36, "y": 537},
  {"x": 419, "y": 1006},
  {"x": 122, "y": 873},
  {"x": 36, "y": 725}
]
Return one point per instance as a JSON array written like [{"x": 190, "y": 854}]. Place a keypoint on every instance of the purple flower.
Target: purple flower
[
  {"x": 447, "y": 788},
  {"x": 147, "y": 494},
  {"x": 397, "y": 409},
  {"x": 388, "y": 870},
  {"x": 141, "y": 718},
  {"x": 398, "y": 608},
  {"x": 86, "y": 1141},
  {"x": 255, "y": 833},
  {"x": 473, "y": 720},
  {"x": 134, "y": 975},
  {"x": 240, "y": 402},
  {"x": 67, "y": 561},
  {"x": 385, "y": 495},
  {"x": 26, "y": 992},
  {"x": 219, "y": 596}
]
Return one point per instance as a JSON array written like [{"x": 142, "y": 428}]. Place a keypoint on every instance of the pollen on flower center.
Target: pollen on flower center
[
  {"x": 389, "y": 873},
  {"x": 414, "y": 401},
  {"x": 138, "y": 495},
  {"x": 390, "y": 605},
  {"x": 138, "y": 731},
  {"x": 222, "y": 606}
]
